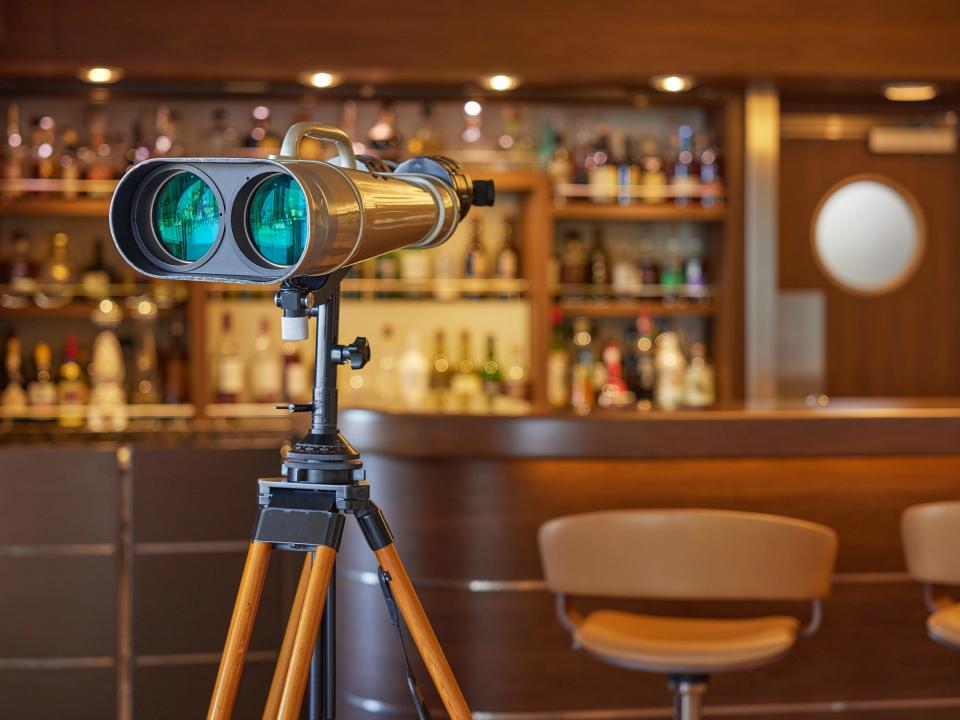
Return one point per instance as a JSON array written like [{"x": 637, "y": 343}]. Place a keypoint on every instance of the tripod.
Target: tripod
[{"x": 304, "y": 512}]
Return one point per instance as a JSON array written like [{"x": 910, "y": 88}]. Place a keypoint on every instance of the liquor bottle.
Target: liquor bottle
[
  {"x": 558, "y": 365},
  {"x": 413, "y": 370},
  {"x": 72, "y": 388},
  {"x": 671, "y": 368},
  {"x": 21, "y": 275},
  {"x": 671, "y": 271},
  {"x": 507, "y": 263},
  {"x": 574, "y": 268},
  {"x": 13, "y": 156},
  {"x": 653, "y": 178},
  {"x": 441, "y": 371},
  {"x": 599, "y": 266},
  {"x": 95, "y": 161},
  {"x": 96, "y": 279},
  {"x": 560, "y": 165},
  {"x": 490, "y": 376},
  {"x": 581, "y": 375},
  {"x": 699, "y": 388},
  {"x": 386, "y": 382},
  {"x": 296, "y": 387},
  {"x": 388, "y": 268},
  {"x": 475, "y": 260},
  {"x": 228, "y": 364},
  {"x": 647, "y": 268},
  {"x": 601, "y": 173},
  {"x": 383, "y": 137},
  {"x": 426, "y": 139},
  {"x": 446, "y": 270},
  {"x": 176, "y": 372},
  {"x": 642, "y": 375},
  {"x": 42, "y": 143},
  {"x": 696, "y": 278},
  {"x": 266, "y": 371},
  {"x": 56, "y": 275},
  {"x": 417, "y": 267},
  {"x": 107, "y": 407},
  {"x": 710, "y": 186},
  {"x": 686, "y": 175},
  {"x": 614, "y": 393},
  {"x": 70, "y": 165},
  {"x": 628, "y": 171},
  {"x": 515, "y": 379},
  {"x": 624, "y": 274},
  {"x": 42, "y": 390},
  {"x": 466, "y": 385},
  {"x": 146, "y": 370},
  {"x": 221, "y": 137},
  {"x": 13, "y": 397}
]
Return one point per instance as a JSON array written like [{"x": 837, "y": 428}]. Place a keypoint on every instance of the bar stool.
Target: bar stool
[
  {"x": 931, "y": 546},
  {"x": 686, "y": 555}
]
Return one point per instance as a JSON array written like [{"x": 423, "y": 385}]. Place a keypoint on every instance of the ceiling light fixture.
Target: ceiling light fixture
[
  {"x": 909, "y": 91},
  {"x": 100, "y": 75},
  {"x": 320, "y": 78},
  {"x": 673, "y": 83},
  {"x": 500, "y": 82}
]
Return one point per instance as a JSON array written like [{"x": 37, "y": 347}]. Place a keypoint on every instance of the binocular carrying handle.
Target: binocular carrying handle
[{"x": 298, "y": 131}]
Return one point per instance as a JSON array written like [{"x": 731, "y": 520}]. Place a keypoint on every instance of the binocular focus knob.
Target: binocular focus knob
[
  {"x": 356, "y": 353},
  {"x": 483, "y": 193}
]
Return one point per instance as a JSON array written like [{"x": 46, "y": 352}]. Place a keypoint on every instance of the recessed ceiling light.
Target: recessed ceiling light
[
  {"x": 320, "y": 78},
  {"x": 100, "y": 75},
  {"x": 909, "y": 91},
  {"x": 500, "y": 82},
  {"x": 673, "y": 83}
]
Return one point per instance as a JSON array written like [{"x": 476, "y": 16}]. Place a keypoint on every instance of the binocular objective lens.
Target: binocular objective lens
[
  {"x": 186, "y": 217},
  {"x": 277, "y": 220}
]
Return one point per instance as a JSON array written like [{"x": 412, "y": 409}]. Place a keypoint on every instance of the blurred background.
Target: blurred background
[{"x": 700, "y": 207}]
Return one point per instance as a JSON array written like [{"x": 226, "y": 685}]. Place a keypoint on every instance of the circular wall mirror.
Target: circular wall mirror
[{"x": 868, "y": 235}]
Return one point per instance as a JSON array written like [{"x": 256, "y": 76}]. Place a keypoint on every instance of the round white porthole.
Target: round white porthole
[{"x": 868, "y": 235}]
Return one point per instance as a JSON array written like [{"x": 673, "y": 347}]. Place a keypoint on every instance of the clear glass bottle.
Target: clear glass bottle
[
  {"x": 13, "y": 396},
  {"x": 466, "y": 385},
  {"x": 490, "y": 375},
  {"x": 228, "y": 364},
  {"x": 266, "y": 370},
  {"x": 414, "y": 372},
  {"x": 441, "y": 371},
  {"x": 558, "y": 365},
  {"x": 56, "y": 275},
  {"x": 671, "y": 368},
  {"x": 653, "y": 178},
  {"x": 475, "y": 260},
  {"x": 73, "y": 389},
  {"x": 686, "y": 174},
  {"x": 507, "y": 261},
  {"x": 699, "y": 385},
  {"x": 42, "y": 389}
]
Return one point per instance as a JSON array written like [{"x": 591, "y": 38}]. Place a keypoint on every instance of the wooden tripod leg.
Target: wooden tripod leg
[
  {"x": 422, "y": 633},
  {"x": 238, "y": 636},
  {"x": 286, "y": 648},
  {"x": 306, "y": 636}
]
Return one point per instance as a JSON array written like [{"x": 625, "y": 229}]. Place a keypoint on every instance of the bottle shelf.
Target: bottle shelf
[
  {"x": 56, "y": 207},
  {"x": 639, "y": 212},
  {"x": 158, "y": 411},
  {"x": 627, "y": 308},
  {"x": 239, "y": 411},
  {"x": 434, "y": 289},
  {"x": 159, "y": 299}
]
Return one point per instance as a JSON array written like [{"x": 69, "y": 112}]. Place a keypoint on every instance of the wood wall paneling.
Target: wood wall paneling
[
  {"x": 619, "y": 41},
  {"x": 902, "y": 343}
]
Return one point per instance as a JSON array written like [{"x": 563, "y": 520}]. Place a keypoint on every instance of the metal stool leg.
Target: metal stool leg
[{"x": 688, "y": 696}]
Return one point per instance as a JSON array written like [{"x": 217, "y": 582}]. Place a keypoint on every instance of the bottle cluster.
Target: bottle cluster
[
  {"x": 670, "y": 270},
  {"x": 610, "y": 167},
  {"x": 655, "y": 364},
  {"x": 80, "y": 386}
]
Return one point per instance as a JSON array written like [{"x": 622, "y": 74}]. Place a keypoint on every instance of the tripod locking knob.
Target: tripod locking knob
[{"x": 356, "y": 353}]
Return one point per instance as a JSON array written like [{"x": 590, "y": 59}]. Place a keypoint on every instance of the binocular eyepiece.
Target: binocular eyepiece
[{"x": 263, "y": 221}]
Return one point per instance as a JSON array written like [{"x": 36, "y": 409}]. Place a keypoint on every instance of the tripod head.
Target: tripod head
[{"x": 323, "y": 455}]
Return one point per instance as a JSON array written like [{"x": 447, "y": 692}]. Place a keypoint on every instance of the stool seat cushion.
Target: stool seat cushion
[
  {"x": 685, "y": 645},
  {"x": 944, "y": 626}
]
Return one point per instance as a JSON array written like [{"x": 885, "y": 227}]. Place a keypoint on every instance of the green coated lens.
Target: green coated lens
[
  {"x": 277, "y": 220},
  {"x": 186, "y": 217}
]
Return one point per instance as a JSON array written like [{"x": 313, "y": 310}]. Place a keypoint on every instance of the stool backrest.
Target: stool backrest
[
  {"x": 687, "y": 554},
  {"x": 931, "y": 542}
]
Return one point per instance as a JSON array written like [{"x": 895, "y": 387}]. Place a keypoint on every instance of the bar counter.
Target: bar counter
[{"x": 154, "y": 531}]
